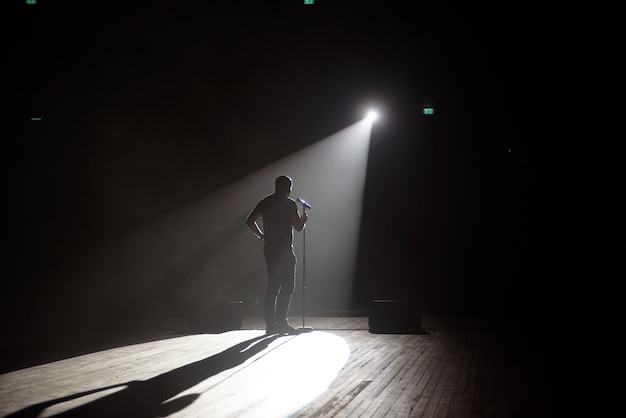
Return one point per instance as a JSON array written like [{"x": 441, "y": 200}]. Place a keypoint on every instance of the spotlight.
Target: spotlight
[{"x": 372, "y": 115}]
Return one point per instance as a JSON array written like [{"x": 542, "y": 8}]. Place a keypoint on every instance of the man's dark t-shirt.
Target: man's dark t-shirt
[{"x": 278, "y": 212}]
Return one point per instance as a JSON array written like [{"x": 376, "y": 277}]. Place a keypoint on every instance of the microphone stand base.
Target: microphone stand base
[{"x": 305, "y": 329}]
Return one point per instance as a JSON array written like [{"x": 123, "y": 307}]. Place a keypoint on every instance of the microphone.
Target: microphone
[{"x": 303, "y": 203}]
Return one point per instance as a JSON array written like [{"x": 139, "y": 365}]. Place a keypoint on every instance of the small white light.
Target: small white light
[{"x": 372, "y": 115}]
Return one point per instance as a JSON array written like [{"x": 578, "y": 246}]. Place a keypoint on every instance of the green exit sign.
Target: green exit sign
[
  {"x": 309, "y": 1},
  {"x": 31, "y": 1},
  {"x": 428, "y": 110}
]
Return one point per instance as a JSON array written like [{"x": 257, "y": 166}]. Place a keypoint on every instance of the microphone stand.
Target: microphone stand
[{"x": 304, "y": 328}]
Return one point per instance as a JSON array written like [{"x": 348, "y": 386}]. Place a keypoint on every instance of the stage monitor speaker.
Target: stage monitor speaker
[{"x": 395, "y": 317}]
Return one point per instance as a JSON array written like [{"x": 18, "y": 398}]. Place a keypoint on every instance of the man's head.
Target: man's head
[{"x": 283, "y": 185}]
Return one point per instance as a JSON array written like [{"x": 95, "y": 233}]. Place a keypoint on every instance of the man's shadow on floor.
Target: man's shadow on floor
[{"x": 145, "y": 399}]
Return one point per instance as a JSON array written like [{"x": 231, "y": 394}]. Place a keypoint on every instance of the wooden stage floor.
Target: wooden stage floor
[{"x": 458, "y": 367}]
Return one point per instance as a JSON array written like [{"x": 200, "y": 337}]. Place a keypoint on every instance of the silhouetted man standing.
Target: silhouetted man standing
[{"x": 279, "y": 214}]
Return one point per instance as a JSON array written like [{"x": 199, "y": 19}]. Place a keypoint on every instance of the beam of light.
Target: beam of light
[
  {"x": 205, "y": 378},
  {"x": 372, "y": 115},
  {"x": 202, "y": 255},
  {"x": 330, "y": 175}
]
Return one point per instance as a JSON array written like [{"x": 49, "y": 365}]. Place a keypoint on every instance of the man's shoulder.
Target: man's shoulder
[{"x": 266, "y": 198}]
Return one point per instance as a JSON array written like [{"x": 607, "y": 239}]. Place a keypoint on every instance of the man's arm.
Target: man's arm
[
  {"x": 253, "y": 225},
  {"x": 299, "y": 221}
]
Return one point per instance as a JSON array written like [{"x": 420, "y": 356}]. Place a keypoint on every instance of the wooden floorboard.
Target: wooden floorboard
[{"x": 456, "y": 368}]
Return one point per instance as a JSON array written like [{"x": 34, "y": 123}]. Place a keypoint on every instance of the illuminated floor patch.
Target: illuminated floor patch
[{"x": 290, "y": 374}]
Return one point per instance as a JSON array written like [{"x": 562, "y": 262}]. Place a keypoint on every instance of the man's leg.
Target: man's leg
[
  {"x": 275, "y": 262},
  {"x": 287, "y": 287},
  {"x": 270, "y": 306},
  {"x": 271, "y": 291}
]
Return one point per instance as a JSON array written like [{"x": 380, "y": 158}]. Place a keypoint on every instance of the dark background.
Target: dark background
[{"x": 502, "y": 203}]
